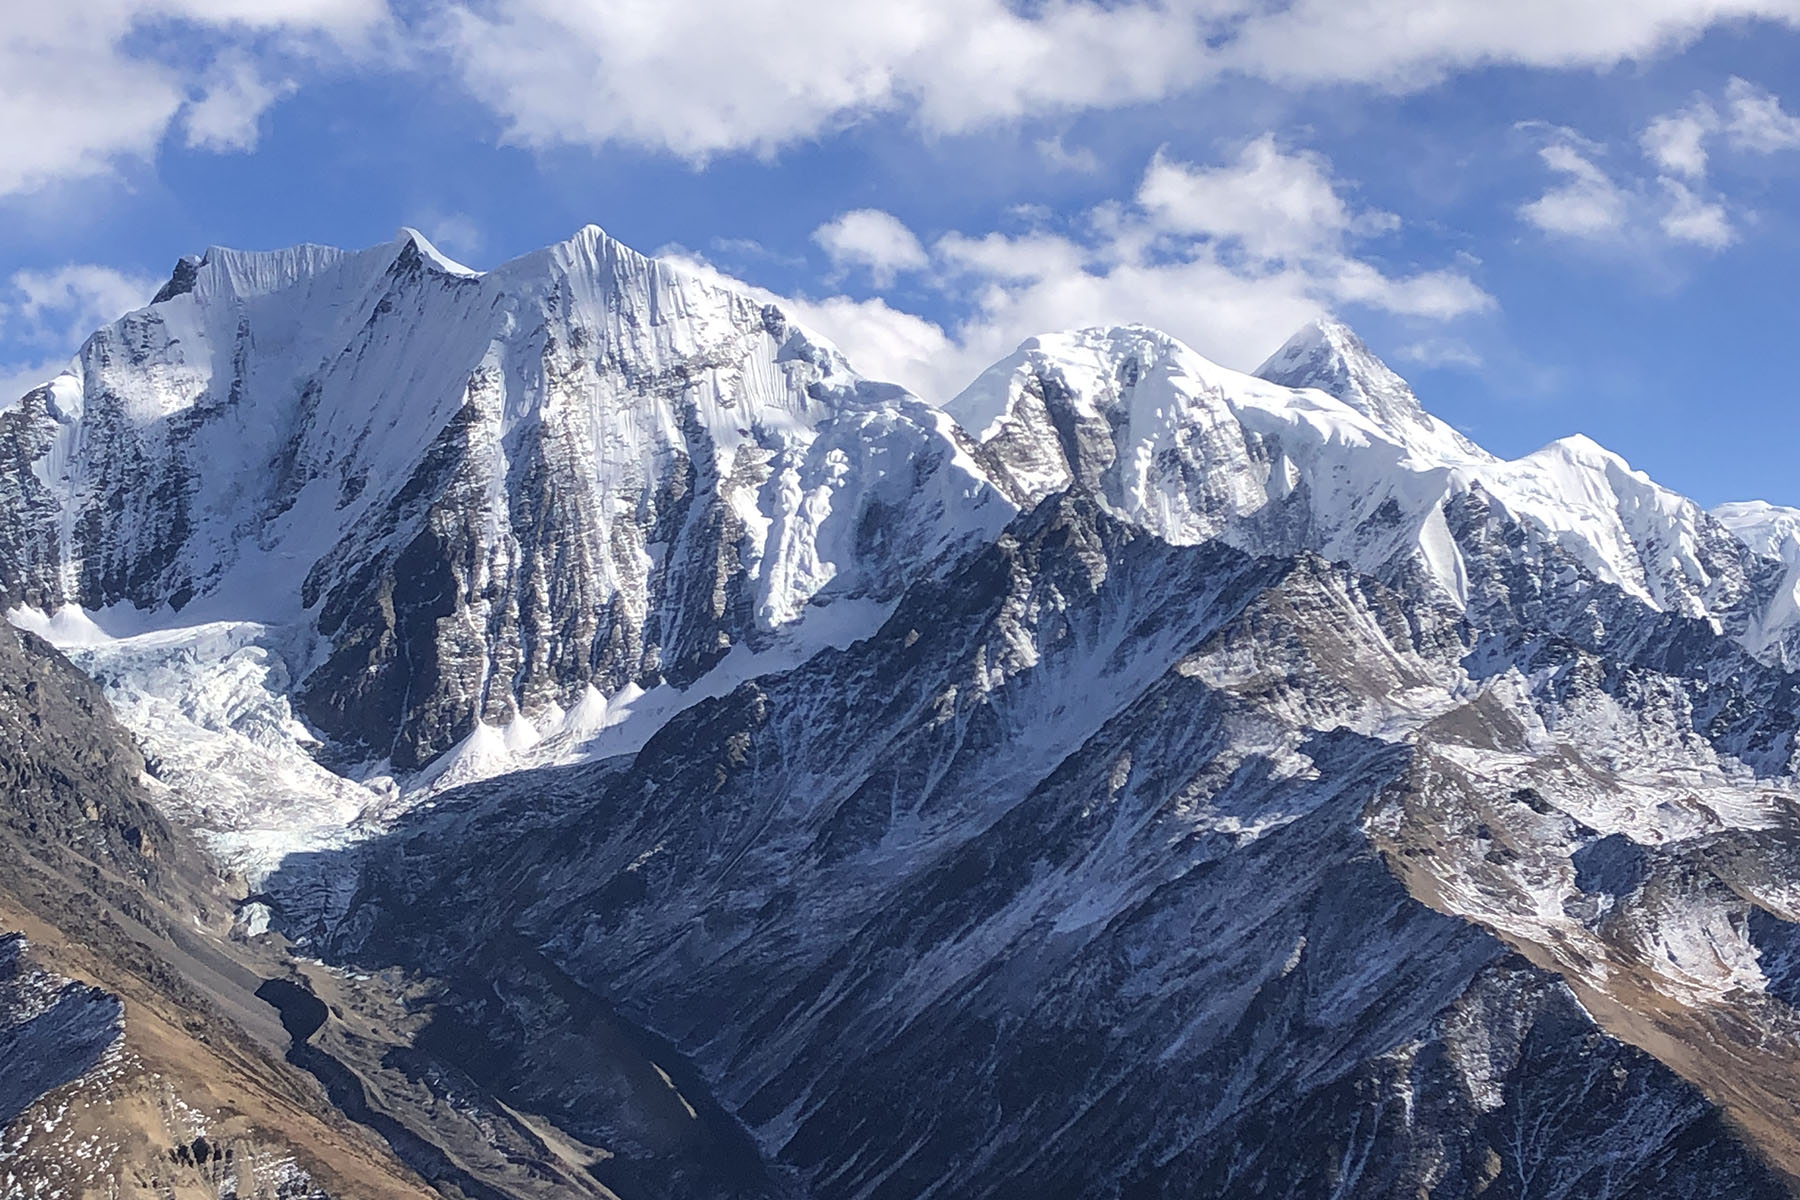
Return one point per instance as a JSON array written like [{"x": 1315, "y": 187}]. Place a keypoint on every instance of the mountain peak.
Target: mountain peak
[
  {"x": 1326, "y": 354},
  {"x": 410, "y": 237}
]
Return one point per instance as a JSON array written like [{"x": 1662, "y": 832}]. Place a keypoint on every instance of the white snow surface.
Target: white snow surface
[
  {"x": 1772, "y": 532},
  {"x": 228, "y": 758}
]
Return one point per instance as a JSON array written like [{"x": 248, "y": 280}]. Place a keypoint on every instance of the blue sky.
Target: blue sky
[{"x": 1578, "y": 216}]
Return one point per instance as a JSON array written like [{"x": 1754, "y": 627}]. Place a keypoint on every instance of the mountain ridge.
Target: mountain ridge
[
  {"x": 1134, "y": 777},
  {"x": 424, "y": 640}
]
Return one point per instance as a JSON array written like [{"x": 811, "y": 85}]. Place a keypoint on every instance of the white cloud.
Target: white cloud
[
  {"x": 61, "y": 125},
  {"x": 1272, "y": 204},
  {"x": 1406, "y": 44},
  {"x": 65, "y": 304},
  {"x": 886, "y": 343},
  {"x": 227, "y": 114},
  {"x": 1441, "y": 352},
  {"x": 1753, "y": 122},
  {"x": 872, "y": 239},
  {"x": 698, "y": 78},
  {"x": 1593, "y": 206},
  {"x": 1677, "y": 202},
  {"x": 1190, "y": 253},
  {"x": 1756, "y": 121},
  {"x": 82, "y": 96},
  {"x": 1059, "y": 157},
  {"x": 1689, "y": 218},
  {"x": 1586, "y": 204},
  {"x": 1433, "y": 295},
  {"x": 455, "y": 233},
  {"x": 1676, "y": 141}
]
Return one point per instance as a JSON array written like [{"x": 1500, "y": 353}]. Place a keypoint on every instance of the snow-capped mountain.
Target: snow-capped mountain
[
  {"x": 1357, "y": 472},
  {"x": 1133, "y": 777},
  {"x": 487, "y": 493},
  {"x": 381, "y": 500}
]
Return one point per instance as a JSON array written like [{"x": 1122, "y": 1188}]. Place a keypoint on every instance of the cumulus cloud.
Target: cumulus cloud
[
  {"x": 1676, "y": 141},
  {"x": 884, "y": 342},
  {"x": 1271, "y": 203},
  {"x": 1190, "y": 251},
  {"x": 67, "y": 303},
  {"x": 1678, "y": 200},
  {"x": 1749, "y": 117},
  {"x": 873, "y": 240},
  {"x": 698, "y": 78},
  {"x": 1689, "y": 218},
  {"x": 63, "y": 123},
  {"x": 1405, "y": 44}
]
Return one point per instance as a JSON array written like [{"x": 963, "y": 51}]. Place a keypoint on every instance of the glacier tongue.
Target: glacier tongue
[{"x": 227, "y": 757}]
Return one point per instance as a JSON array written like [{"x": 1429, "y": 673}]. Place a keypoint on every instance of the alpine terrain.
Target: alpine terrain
[{"x": 560, "y": 731}]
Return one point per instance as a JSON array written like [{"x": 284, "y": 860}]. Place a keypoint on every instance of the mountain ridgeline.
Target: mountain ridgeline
[{"x": 645, "y": 758}]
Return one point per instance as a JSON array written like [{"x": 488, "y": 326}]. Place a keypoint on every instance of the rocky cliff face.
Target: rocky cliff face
[{"x": 1135, "y": 779}]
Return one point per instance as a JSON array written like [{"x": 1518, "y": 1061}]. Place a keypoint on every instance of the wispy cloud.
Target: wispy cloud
[
  {"x": 1678, "y": 198},
  {"x": 455, "y": 233},
  {"x": 228, "y": 114},
  {"x": 1585, "y": 203},
  {"x": 1061, "y": 157},
  {"x": 1441, "y": 353}
]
